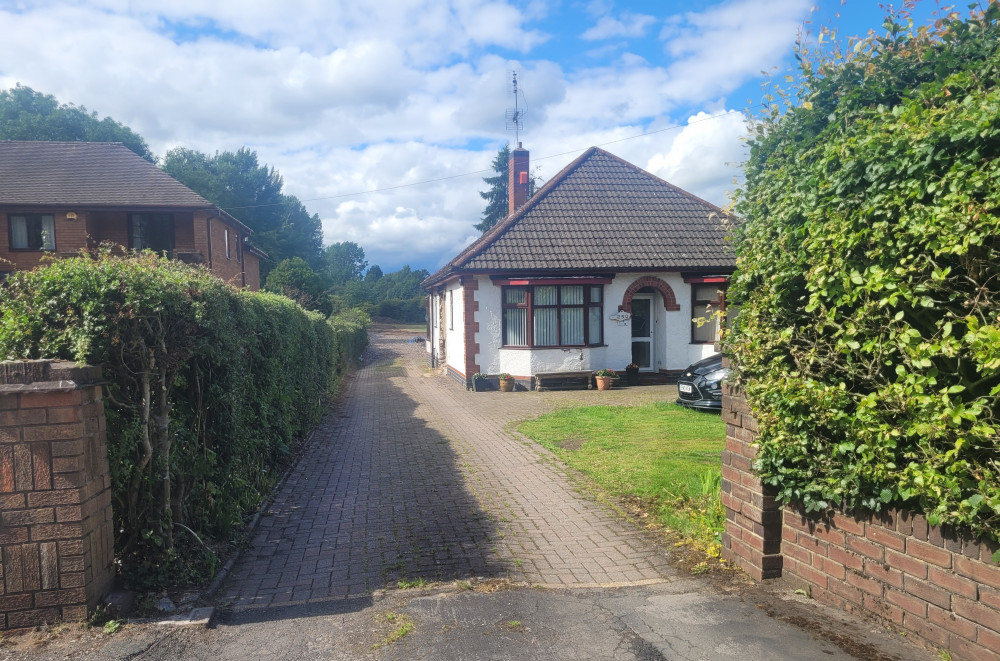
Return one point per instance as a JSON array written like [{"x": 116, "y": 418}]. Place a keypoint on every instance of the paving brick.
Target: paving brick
[{"x": 411, "y": 476}]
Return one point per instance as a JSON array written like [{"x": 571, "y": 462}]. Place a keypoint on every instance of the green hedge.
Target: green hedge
[
  {"x": 210, "y": 389},
  {"x": 868, "y": 284}
]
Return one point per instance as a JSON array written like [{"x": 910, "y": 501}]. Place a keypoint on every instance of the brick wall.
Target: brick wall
[
  {"x": 470, "y": 285},
  {"x": 938, "y": 584},
  {"x": 56, "y": 537}
]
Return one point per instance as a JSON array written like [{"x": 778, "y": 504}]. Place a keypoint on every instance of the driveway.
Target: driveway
[{"x": 412, "y": 481}]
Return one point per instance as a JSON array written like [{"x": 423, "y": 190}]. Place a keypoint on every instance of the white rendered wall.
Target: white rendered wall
[
  {"x": 454, "y": 328},
  {"x": 673, "y": 349}
]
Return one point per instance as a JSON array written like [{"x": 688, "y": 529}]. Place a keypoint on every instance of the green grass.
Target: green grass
[{"x": 663, "y": 455}]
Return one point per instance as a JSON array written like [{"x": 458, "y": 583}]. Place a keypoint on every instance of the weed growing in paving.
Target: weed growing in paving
[
  {"x": 406, "y": 584},
  {"x": 664, "y": 459}
]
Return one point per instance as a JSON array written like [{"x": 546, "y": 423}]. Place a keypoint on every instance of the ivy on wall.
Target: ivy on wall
[
  {"x": 868, "y": 284},
  {"x": 209, "y": 388}
]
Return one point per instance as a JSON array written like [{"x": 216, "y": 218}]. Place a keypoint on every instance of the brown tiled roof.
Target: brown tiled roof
[
  {"x": 87, "y": 173},
  {"x": 601, "y": 213}
]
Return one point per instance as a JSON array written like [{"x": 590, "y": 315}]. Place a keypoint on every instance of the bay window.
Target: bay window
[{"x": 552, "y": 315}]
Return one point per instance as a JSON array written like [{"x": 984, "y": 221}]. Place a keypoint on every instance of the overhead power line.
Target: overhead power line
[{"x": 475, "y": 172}]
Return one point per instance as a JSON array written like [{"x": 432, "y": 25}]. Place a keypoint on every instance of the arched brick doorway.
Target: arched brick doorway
[{"x": 669, "y": 300}]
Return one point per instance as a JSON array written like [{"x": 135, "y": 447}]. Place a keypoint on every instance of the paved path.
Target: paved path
[{"x": 414, "y": 477}]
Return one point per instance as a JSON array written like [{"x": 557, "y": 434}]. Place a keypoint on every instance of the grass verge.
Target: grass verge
[{"x": 663, "y": 459}]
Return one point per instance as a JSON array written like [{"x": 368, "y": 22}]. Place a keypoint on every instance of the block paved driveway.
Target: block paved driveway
[{"x": 413, "y": 477}]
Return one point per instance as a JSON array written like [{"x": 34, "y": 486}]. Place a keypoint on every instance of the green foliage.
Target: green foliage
[
  {"x": 868, "y": 337},
  {"x": 296, "y": 280},
  {"x": 209, "y": 388},
  {"x": 394, "y": 295},
  {"x": 251, "y": 192},
  {"x": 344, "y": 262},
  {"x": 496, "y": 197},
  {"x": 29, "y": 115}
]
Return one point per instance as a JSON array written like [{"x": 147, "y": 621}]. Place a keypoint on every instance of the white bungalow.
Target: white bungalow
[{"x": 604, "y": 266}]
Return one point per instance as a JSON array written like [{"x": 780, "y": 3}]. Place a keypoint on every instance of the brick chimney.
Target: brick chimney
[{"x": 517, "y": 184}]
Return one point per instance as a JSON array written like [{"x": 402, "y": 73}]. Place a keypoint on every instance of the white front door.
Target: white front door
[{"x": 643, "y": 345}]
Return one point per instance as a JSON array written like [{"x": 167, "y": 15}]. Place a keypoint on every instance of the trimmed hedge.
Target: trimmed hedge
[
  {"x": 868, "y": 283},
  {"x": 209, "y": 389}
]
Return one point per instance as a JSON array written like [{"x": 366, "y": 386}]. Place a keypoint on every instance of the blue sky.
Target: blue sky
[{"x": 348, "y": 98}]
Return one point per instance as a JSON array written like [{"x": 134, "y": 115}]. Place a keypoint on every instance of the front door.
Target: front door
[{"x": 642, "y": 333}]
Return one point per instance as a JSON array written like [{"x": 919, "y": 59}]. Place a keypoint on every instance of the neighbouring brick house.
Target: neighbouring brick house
[
  {"x": 604, "y": 266},
  {"x": 58, "y": 198}
]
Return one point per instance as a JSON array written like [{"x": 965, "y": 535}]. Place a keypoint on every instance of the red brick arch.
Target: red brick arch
[{"x": 669, "y": 300}]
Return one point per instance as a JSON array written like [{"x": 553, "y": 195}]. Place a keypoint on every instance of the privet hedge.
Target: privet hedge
[
  {"x": 209, "y": 389},
  {"x": 868, "y": 284}
]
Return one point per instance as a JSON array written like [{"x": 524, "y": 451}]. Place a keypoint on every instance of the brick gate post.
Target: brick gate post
[
  {"x": 752, "y": 539},
  {"x": 56, "y": 535}
]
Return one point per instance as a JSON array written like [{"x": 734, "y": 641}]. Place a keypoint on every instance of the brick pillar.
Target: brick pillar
[
  {"x": 56, "y": 535},
  {"x": 752, "y": 539},
  {"x": 470, "y": 285}
]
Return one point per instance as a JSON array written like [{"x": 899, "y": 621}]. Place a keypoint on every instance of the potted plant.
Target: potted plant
[
  {"x": 480, "y": 382},
  {"x": 506, "y": 382},
  {"x": 603, "y": 378},
  {"x": 632, "y": 374}
]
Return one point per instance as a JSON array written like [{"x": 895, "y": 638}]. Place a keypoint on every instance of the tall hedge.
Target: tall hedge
[
  {"x": 209, "y": 389},
  {"x": 868, "y": 284}
]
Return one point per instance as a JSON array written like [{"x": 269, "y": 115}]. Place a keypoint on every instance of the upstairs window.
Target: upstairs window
[
  {"x": 552, "y": 316},
  {"x": 32, "y": 231}
]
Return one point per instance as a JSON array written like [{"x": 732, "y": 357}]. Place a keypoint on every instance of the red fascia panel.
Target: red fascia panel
[{"x": 706, "y": 280}]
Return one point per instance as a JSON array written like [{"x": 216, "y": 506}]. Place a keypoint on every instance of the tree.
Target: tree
[
  {"x": 29, "y": 115},
  {"x": 343, "y": 262},
  {"x": 496, "y": 197},
  {"x": 238, "y": 183},
  {"x": 374, "y": 274},
  {"x": 868, "y": 341},
  {"x": 295, "y": 279}
]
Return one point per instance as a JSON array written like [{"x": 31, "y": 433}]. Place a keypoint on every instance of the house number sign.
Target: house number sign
[{"x": 621, "y": 317}]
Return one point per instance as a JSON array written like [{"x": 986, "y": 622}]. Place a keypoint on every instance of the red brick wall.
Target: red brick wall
[
  {"x": 56, "y": 538},
  {"x": 470, "y": 285},
  {"x": 940, "y": 585},
  {"x": 252, "y": 266},
  {"x": 70, "y": 238},
  {"x": 937, "y": 584}
]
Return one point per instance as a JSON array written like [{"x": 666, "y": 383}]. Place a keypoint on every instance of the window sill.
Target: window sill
[{"x": 565, "y": 346}]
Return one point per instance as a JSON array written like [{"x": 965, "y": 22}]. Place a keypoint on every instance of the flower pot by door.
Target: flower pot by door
[
  {"x": 632, "y": 376},
  {"x": 506, "y": 385},
  {"x": 603, "y": 382}
]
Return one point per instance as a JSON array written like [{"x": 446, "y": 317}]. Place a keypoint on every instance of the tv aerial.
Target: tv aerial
[{"x": 514, "y": 117}]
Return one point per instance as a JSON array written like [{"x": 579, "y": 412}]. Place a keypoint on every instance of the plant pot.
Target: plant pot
[
  {"x": 632, "y": 377},
  {"x": 603, "y": 382},
  {"x": 480, "y": 385},
  {"x": 507, "y": 385}
]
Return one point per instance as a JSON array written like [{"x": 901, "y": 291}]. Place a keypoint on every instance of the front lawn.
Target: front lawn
[{"x": 661, "y": 457}]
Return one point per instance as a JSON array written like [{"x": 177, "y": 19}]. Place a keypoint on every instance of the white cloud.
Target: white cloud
[
  {"x": 627, "y": 25},
  {"x": 706, "y": 156}
]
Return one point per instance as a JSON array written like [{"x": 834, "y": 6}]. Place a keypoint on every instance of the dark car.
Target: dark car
[{"x": 700, "y": 386}]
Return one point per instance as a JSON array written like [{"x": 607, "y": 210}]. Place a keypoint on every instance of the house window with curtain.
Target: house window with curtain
[
  {"x": 32, "y": 231},
  {"x": 552, "y": 316},
  {"x": 706, "y": 302},
  {"x": 152, "y": 231}
]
